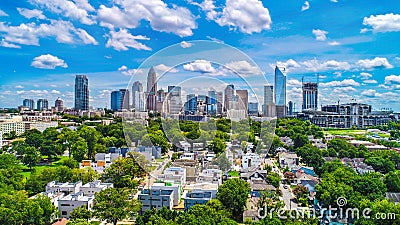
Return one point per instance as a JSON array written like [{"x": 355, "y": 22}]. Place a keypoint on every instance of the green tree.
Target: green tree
[
  {"x": 380, "y": 164},
  {"x": 273, "y": 179},
  {"x": 124, "y": 171},
  {"x": 31, "y": 157},
  {"x": 10, "y": 171},
  {"x": 81, "y": 212},
  {"x": 392, "y": 181},
  {"x": 91, "y": 136},
  {"x": 233, "y": 195},
  {"x": 113, "y": 205},
  {"x": 79, "y": 149},
  {"x": 218, "y": 145}
]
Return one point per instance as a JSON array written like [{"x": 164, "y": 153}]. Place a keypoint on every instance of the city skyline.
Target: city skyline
[{"x": 350, "y": 53}]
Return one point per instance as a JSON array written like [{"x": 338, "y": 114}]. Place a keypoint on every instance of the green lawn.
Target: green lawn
[
  {"x": 350, "y": 132},
  {"x": 233, "y": 174},
  {"x": 26, "y": 171}
]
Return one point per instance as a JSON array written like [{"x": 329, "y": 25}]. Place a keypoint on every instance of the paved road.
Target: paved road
[{"x": 287, "y": 195}]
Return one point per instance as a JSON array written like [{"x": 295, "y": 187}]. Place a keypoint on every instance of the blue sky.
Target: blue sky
[{"x": 353, "y": 45}]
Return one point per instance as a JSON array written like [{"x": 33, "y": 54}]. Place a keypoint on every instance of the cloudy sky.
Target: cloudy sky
[{"x": 352, "y": 45}]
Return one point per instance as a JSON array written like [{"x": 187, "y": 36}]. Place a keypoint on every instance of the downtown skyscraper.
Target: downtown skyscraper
[
  {"x": 310, "y": 96},
  {"x": 81, "y": 93},
  {"x": 138, "y": 96},
  {"x": 151, "y": 101},
  {"x": 280, "y": 91},
  {"x": 268, "y": 104}
]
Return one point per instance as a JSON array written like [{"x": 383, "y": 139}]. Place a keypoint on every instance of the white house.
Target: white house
[
  {"x": 91, "y": 188},
  {"x": 174, "y": 174},
  {"x": 68, "y": 203},
  {"x": 66, "y": 188},
  {"x": 250, "y": 160},
  {"x": 213, "y": 176}
]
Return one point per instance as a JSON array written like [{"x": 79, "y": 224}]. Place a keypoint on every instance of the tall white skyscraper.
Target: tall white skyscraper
[{"x": 138, "y": 96}]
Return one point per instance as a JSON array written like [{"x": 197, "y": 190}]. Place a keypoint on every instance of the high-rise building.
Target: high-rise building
[
  {"x": 229, "y": 94},
  {"x": 290, "y": 108},
  {"x": 269, "y": 105},
  {"x": 212, "y": 103},
  {"x": 120, "y": 100},
  {"x": 151, "y": 101},
  {"x": 161, "y": 103},
  {"x": 138, "y": 96},
  {"x": 59, "y": 105},
  {"x": 115, "y": 100},
  {"x": 124, "y": 98},
  {"x": 219, "y": 96},
  {"x": 81, "y": 92},
  {"x": 175, "y": 100},
  {"x": 42, "y": 104},
  {"x": 253, "y": 108},
  {"x": 243, "y": 99},
  {"x": 29, "y": 103},
  {"x": 280, "y": 91},
  {"x": 191, "y": 104},
  {"x": 310, "y": 96}
]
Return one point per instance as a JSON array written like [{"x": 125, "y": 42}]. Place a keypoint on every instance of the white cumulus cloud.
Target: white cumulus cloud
[
  {"x": 31, "y": 13},
  {"x": 320, "y": 35},
  {"x": 202, "y": 66},
  {"x": 122, "y": 40},
  {"x": 392, "y": 79},
  {"x": 129, "y": 14},
  {"x": 243, "y": 68},
  {"x": 48, "y": 62},
  {"x": 247, "y": 16},
  {"x": 382, "y": 23},
  {"x": 185, "y": 44},
  {"x": 164, "y": 68},
  {"x": 315, "y": 65},
  {"x": 376, "y": 63},
  {"x": 305, "y": 6},
  {"x": 343, "y": 83},
  {"x": 30, "y": 33},
  {"x": 68, "y": 9}
]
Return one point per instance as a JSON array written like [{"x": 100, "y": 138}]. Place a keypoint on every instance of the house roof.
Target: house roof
[{"x": 62, "y": 221}]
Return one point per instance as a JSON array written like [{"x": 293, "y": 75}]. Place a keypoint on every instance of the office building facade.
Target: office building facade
[
  {"x": 243, "y": 99},
  {"x": 151, "y": 101},
  {"x": 138, "y": 96},
  {"x": 42, "y": 104},
  {"x": 280, "y": 91},
  {"x": 29, "y": 103},
  {"x": 59, "y": 105},
  {"x": 269, "y": 105},
  {"x": 310, "y": 96},
  {"x": 81, "y": 93},
  {"x": 229, "y": 97}
]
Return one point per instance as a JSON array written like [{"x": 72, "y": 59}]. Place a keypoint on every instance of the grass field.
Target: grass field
[
  {"x": 233, "y": 174},
  {"x": 349, "y": 132},
  {"x": 27, "y": 172}
]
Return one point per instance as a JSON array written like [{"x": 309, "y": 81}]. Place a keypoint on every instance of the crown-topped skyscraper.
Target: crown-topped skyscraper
[{"x": 151, "y": 90}]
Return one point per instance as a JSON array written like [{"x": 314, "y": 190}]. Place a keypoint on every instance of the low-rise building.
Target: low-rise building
[
  {"x": 288, "y": 159},
  {"x": 174, "y": 174},
  {"x": 213, "y": 176},
  {"x": 68, "y": 203},
  {"x": 196, "y": 197},
  {"x": 150, "y": 152},
  {"x": 91, "y": 188},
  {"x": 156, "y": 199},
  {"x": 176, "y": 188},
  {"x": 251, "y": 160},
  {"x": 66, "y": 188}
]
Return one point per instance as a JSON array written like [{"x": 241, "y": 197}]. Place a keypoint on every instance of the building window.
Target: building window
[{"x": 64, "y": 213}]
